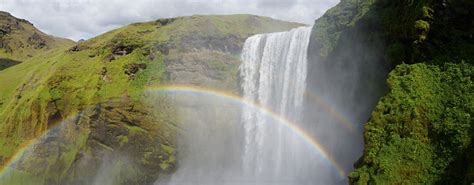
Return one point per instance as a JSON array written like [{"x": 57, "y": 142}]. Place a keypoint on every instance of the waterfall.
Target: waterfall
[
  {"x": 273, "y": 74},
  {"x": 274, "y": 142}
]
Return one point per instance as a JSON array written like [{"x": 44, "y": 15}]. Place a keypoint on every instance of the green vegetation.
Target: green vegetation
[
  {"x": 100, "y": 83},
  {"x": 422, "y": 129},
  {"x": 171, "y": 159},
  {"x": 418, "y": 31}
]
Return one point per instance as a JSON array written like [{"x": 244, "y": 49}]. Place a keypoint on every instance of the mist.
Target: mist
[
  {"x": 340, "y": 91},
  {"x": 335, "y": 102}
]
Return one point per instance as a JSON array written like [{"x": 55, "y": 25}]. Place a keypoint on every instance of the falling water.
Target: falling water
[
  {"x": 257, "y": 147},
  {"x": 274, "y": 75}
]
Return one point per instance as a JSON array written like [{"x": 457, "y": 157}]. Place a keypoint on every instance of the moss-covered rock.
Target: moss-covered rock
[
  {"x": 421, "y": 130},
  {"x": 421, "y": 127}
]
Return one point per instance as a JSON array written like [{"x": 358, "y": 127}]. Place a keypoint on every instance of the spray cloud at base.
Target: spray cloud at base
[{"x": 246, "y": 146}]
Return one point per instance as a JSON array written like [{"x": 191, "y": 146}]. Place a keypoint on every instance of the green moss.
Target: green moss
[
  {"x": 165, "y": 165},
  {"x": 123, "y": 140},
  {"x": 167, "y": 149},
  {"x": 421, "y": 130},
  {"x": 171, "y": 159},
  {"x": 135, "y": 129},
  {"x": 421, "y": 126}
]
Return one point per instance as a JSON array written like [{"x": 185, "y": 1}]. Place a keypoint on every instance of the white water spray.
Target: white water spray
[
  {"x": 257, "y": 148},
  {"x": 274, "y": 75}
]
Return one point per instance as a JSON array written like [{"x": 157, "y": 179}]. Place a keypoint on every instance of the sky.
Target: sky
[{"x": 83, "y": 19}]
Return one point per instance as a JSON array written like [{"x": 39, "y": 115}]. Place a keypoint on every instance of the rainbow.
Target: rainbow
[
  {"x": 237, "y": 99},
  {"x": 314, "y": 98},
  {"x": 305, "y": 136}
]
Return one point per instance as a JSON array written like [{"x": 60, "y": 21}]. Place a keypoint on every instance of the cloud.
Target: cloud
[{"x": 82, "y": 19}]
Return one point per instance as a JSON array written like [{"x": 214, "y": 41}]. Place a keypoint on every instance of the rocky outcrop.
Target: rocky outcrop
[
  {"x": 37, "y": 41},
  {"x": 164, "y": 22},
  {"x": 132, "y": 69},
  {"x": 5, "y": 30}
]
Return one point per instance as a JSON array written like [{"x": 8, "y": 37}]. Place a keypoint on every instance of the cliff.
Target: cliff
[{"x": 420, "y": 131}]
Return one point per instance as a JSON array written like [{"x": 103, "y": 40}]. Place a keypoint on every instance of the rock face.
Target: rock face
[
  {"x": 203, "y": 68},
  {"x": 20, "y": 40},
  {"x": 347, "y": 71},
  {"x": 95, "y": 103}
]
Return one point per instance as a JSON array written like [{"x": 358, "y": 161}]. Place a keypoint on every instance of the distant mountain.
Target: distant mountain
[{"x": 20, "y": 40}]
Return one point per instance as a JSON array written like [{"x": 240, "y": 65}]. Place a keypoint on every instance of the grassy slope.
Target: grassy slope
[
  {"x": 421, "y": 130},
  {"x": 50, "y": 87}
]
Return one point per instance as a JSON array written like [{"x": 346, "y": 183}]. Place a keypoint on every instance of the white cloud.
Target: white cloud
[{"x": 77, "y": 19}]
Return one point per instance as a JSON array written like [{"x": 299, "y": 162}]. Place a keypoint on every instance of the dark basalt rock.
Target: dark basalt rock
[
  {"x": 75, "y": 49},
  {"x": 132, "y": 69},
  {"x": 110, "y": 57},
  {"x": 78, "y": 47},
  {"x": 164, "y": 22},
  {"x": 37, "y": 41},
  {"x": 123, "y": 50},
  {"x": 5, "y": 30}
]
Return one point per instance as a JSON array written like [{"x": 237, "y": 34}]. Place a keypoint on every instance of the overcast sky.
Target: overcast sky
[{"x": 83, "y": 19}]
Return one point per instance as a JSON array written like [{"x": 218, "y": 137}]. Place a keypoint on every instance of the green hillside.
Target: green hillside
[
  {"x": 20, "y": 40},
  {"x": 100, "y": 83}
]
